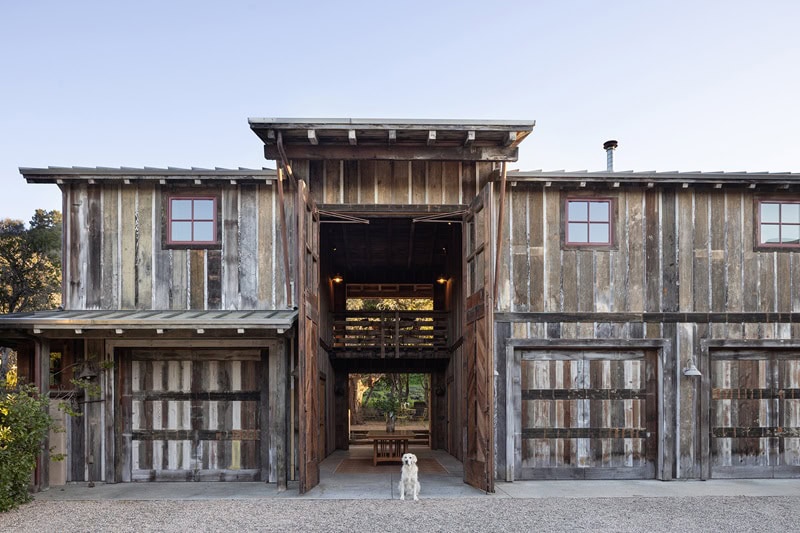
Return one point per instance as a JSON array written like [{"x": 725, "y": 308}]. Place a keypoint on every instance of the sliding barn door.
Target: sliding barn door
[
  {"x": 308, "y": 323},
  {"x": 478, "y": 354}
]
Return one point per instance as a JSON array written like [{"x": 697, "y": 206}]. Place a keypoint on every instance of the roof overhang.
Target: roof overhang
[
  {"x": 391, "y": 139},
  {"x": 120, "y": 321},
  {"x": 752, "y": 180},
  {"x": 170, "y": 175}
]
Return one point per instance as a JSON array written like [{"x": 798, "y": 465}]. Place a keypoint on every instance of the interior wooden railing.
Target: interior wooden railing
[{"x": 390, "y": 333}]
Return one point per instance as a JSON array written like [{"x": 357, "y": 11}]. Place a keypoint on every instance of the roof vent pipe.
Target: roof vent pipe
[{"x": 609, "y": 147}]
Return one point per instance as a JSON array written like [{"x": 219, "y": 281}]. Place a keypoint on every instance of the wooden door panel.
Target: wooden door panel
[
  {"x": 755, "y": 414},
  {"x": 309, "y": 450},
  {"x": 194, "y": 417},
  {"x": 478, "y": 346},
  {"x": 589, "y": 415}
]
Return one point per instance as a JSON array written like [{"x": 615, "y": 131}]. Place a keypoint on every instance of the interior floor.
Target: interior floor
[{"x": 351, "y": 475}]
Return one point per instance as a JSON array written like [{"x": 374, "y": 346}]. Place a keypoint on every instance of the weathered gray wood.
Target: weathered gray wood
[
  {"x": 433, "y": 153},
  {"x": 109, "y": 259},
  {"x": 249, "y": 275},
  {"x": 144, "y": 247},
  {"x": 230, "y": 298},
  {"x": 162, "y": 257}
]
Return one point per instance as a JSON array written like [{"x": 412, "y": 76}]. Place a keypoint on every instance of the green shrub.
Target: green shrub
[{"x": 24, "y": 423}]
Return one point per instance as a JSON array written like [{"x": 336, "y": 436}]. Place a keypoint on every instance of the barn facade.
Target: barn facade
[{"x": 608, "y": 325}]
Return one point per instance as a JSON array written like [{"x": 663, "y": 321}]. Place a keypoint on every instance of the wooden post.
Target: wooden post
[
  {"x": 42, "y": 377},
  {"x": 397, "y": 334},
  {"x": 276, "y": 430}
]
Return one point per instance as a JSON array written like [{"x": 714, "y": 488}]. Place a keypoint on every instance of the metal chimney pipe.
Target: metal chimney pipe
[{"x": 609, "y": 147}]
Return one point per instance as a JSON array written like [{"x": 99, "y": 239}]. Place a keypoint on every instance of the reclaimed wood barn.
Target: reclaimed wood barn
[{"x": 585, "y": 325}]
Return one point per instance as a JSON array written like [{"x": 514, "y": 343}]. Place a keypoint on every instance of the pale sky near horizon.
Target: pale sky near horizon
[{"x": 682, "y": 85}]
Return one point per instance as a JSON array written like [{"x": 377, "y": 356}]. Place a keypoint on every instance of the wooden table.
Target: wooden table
[{"x": 389, "y": 447}]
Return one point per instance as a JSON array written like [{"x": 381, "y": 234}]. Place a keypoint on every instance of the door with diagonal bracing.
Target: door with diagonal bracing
[{"x": 478, "y": 371}]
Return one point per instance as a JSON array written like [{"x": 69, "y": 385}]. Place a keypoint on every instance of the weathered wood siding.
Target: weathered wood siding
[
  {"x": 683, "y": 269},
  {"x": 195, "y": 416},
  {"x": 117, "y": 257},
  {"x": 691, "y": 249},
  {"x": 394, "y": 182},
  {"x": 588, "y": 413}
]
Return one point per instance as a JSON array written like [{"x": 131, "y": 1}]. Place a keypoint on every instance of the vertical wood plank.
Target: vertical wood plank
[
  {"x": 652, "y": 251},
  {"x": 162, "y": 257},
  {"x": 197, "y": 285},
  {"x": 144, "y": 247},
  {"x": 213, "y": 273},
  {"x": 451, "y": 182},
  {"x": 249, "y": 274},
  {"x": 717, "y": 230},
  {"x": 350, "y": 181},
  {"x": 637, "y": 244},
  {"x": 127, "y": 245},
  {"x": 367, "y": 180},
  {"x": 418, "y": 170},
  {"x": 110, "y": 259},
  {"x": 266, "y": 247},
  {"x": 94, "y": 243},
  {"x": 536, "y": 251},
  {"x": 230, "y": 250},
  {"x": 383, "y": 182},
  {"x": 435, "y": 186},
  {"x": 468, "y": 175}
]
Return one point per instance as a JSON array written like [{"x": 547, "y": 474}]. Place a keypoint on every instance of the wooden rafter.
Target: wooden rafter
[
  {"x": 431, "y": 137},
  {"x": 312, "y": 137},
  {"x": 351, "y": 137}
]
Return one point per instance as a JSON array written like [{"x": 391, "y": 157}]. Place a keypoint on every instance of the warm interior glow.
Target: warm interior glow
[
  {"x": 441, "y": 280},
  {"x": 337, "y": 278}
]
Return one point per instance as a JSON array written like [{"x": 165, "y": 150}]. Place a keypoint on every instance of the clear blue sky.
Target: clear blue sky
[{"x": 683, "y": 85}]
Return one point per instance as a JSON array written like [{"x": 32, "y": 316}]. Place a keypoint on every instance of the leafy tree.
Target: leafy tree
[{"x": 30, "y": 263}]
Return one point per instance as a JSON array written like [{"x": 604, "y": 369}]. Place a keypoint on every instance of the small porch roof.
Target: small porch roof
[
  {"x": 282, "y": 319},
  {"x": 391, "y": 139}
]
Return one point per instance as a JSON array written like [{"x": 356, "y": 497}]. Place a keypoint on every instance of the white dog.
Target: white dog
[{"x": 409, "y": 481}]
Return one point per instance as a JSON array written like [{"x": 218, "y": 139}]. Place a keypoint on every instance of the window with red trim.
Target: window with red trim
[
  {"x": 779, "y": 223},
  {"x": 588, "y": 222},
  {"x": 192, "y": 220}
]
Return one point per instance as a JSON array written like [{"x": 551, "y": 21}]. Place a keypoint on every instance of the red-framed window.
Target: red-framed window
[
  {"x": 779, "y": 223},
  {"x": 589, "y": 221},
  {"x": 192, "y": 220}
]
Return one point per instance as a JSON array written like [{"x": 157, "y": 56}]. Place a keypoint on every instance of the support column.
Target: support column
[
  {"x": 276, "y": 426},
  {"x": 42, "y": 379}
]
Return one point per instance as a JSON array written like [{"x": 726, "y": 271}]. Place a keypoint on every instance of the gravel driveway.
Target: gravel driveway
[{"x": 465, "y": 514}]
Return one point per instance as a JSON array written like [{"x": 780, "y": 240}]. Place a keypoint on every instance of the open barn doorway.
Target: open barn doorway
[{"x": 390, "y": 300}]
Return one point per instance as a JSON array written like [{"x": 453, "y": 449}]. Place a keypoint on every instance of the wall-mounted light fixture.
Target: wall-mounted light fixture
[
  {"x": 337, "y": 278},
  {"x": 441, "y": 280},
  {"x": 691, "y": 370}
]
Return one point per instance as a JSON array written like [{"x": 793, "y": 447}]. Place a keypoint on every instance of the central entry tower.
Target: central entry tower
[{"x": 392, "y": 206}]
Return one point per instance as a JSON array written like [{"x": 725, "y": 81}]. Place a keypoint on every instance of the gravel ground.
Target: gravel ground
[{"x": 488, "y": 514}]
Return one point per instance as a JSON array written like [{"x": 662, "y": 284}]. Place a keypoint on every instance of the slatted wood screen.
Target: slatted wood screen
[
  {"x": 194, "y": 415},
  {"x": 589, "y": 414},
  {"x": 755, "y": 414}
]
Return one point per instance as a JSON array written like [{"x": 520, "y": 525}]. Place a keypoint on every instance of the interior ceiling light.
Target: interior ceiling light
[
  {"x": 337, "y": 278},
  {"x": 441, "y": 280}
]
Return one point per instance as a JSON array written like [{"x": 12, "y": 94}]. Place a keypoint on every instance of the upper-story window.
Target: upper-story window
[
  {"x": 588, "y": 222},
  {"x": 779, "y": 223},
  {"x": 192, "y": 220}
]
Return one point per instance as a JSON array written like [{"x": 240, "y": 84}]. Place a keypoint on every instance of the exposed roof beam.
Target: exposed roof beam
[
  {"x": 351, "y": 136},
  {"x": 392, "y": 136},
  {"x": 397, "y": 152},
  {"x": 431, "y": 137},
  {"x": 511, "y": 138},
  {"x": 470, "y": 138},
  {"x": 312, "y": 137}
]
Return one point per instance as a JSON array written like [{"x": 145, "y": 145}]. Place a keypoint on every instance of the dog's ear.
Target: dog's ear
[{"x": 414, "y": 458}]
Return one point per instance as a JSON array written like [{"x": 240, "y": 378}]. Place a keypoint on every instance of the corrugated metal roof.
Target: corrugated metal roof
[
  {"x": 138, "y": 319},
  {"x": 630, "y": 176},
  {"x": 54, "y": 174}
]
